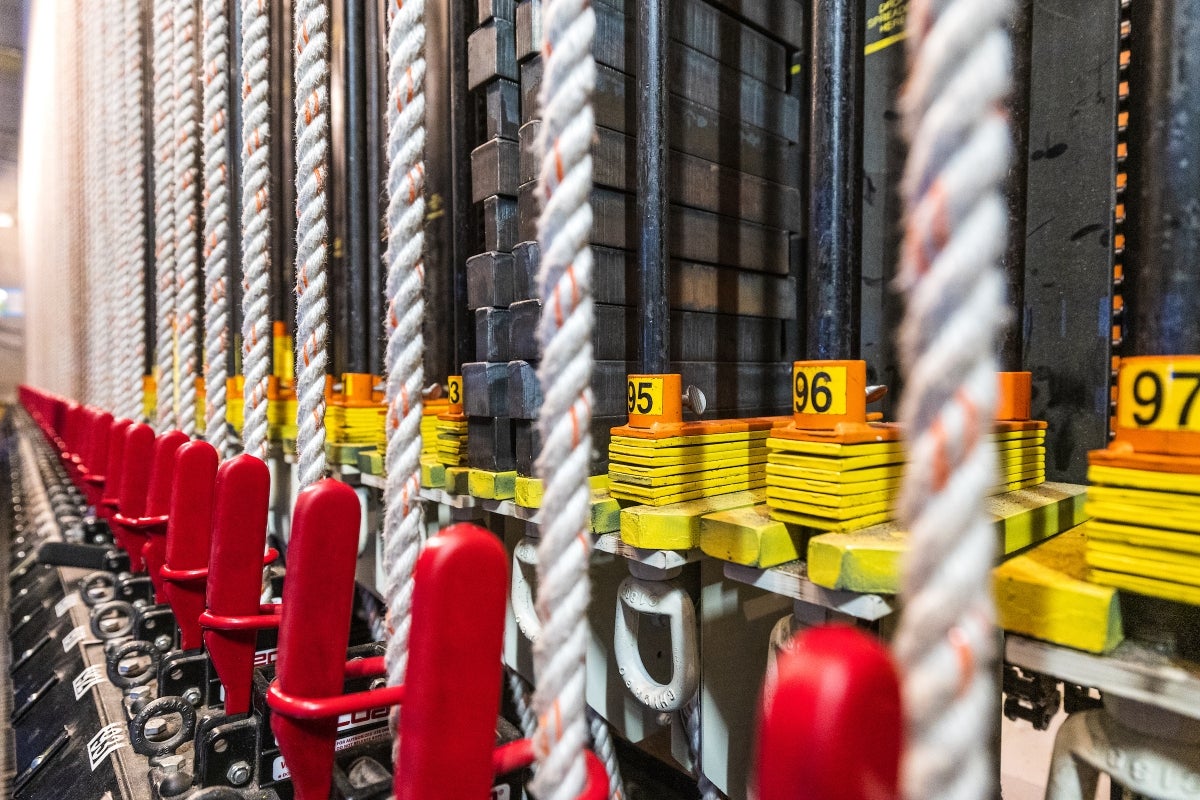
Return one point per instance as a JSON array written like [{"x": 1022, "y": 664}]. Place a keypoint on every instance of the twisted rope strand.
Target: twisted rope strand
[
  {"x": 216, "y": 221},
  {"x": 187, "y": 212},
  {"x": 404, "y": 520},
  {"x": 256, "y": 223},
  {"x": 164, "y": 212},
  {"x": 312, "y": 306},
  {"x": 112, "y": 356},
  {"x": 565, "y": 334},
  {"x": 135, "y": 192},
  {"x": 960, "y": 67}
]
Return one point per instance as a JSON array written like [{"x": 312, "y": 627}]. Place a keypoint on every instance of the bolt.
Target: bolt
[
  {"x": 378, "y": 683},
  {"x": 239, "y": 773},
  {"x": 110, "y": 624},
  {"x": 140, "y": 603},
  {"x": 171, "y": 764},
  {"x": 155, "y": 726},
  {"x": 664, "y": 719},
  {"x": 135, "y": 693},
  {"x": 163, "y": 643},
  {"x": 192, "y": 695},
  {"x": 130, "y": 666}
]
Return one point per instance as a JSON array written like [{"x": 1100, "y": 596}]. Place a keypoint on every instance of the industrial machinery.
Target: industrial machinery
[{"x": 605, "y": 399}]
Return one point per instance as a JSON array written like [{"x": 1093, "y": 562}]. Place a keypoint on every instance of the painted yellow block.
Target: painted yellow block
[
  {"x": 606, "y": 512},
  {"x": 528, "y": 493},
  {"x": 673, "y": 495},
  {"x": 1150, "y": 562},
  {"x": 656, "y": 474},
  {"x": 677, "y": 526},
  {"x": 679, "y": 456},
  {"x": 749, "y": 536},
  {"x": 695, "y": 480},
  {"x": 689, "y": 441},
  {"x": 492, "y": 485},
  {"x": 789, "y": 475},
  {"x": 836, "y": 449},
  {"x": 1153, "y": 587},
  {"x": 1044, "y": 593},
  {"x": 1104, "y": 530},
  {"x": 808, "y": 509},
  {"x": 873, "y": 493},
  {"x": 458, "y": 480},
  {"x": 1177, "y": 482},
  {"x": 843, "y": 464},
  {"x": 868, "y": 560},
  {"x": 433, "y": 474}
]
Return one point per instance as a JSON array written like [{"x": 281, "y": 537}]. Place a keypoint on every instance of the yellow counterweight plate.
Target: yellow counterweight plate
[
  {"x": 677, "y": 526},
  {"x": 675, "y": 476},
  {"x": 749, "y": 536},
  {"x": 1168, "y": 590}
]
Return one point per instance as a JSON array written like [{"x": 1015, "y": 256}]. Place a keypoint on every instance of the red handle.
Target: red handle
[
  {"x": 111, "y": 490},
  {"x": 239, "y": 536},
  {"x": 314, "y": 631},
  {"x": 453, "y": 667},
  {"x": 189, "y": 535},
  {"x": 99, "y": 431},
  {"x": 830, "y": 722},
  {"x": 136, "y": 458},
  {"x": 158, "y": 504}
]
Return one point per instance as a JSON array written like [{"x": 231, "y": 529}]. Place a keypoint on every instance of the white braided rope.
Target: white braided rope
[
  {"x": 312, "y": 305},
  {"x": 606, "y": 751},
  {"x": 187, "y": 212},
  {"x": 565, "y": 373},
  {"x": 134, "y": 150},
  {"x": 521, "y": 695},
  {"x": 111, "y": 259},
  {"x": 960, "y": 67},
  {"x": 88, "y": 34},
  {"x": 404, "y": 521},
  {"x": 164, "y": 212},
  {"x": 120, "y": 335},
  {"x": 216, "y": 222},
  {"x": 256, "y": 223}
]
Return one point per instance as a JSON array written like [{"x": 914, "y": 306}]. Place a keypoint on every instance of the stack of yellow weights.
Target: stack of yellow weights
[
  {"x": 356, "y": 415},
  {"x": 450, "y": 429},
  {"x": 1021, "y": 453},
  {"x": 430, "y": 411},
  {"x": 1144, "y": 497}
]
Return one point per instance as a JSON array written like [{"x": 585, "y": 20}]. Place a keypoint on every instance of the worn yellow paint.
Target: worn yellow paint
[
  {"x": 678, "y": 456},
  {"x": 868, "y": 560},
  {"x": 1154, "y": 587},
  {"x": 677, "y": 526},
  {"x": 433, "y": 474},
  {"x": 1044, "y": 593},
  {"x": 1105, "y": 530},
  {"x": 662, "y": 474},
  {"x": 1167, "y": 565},
  {"x": 698, "y": 440},
  {"x": 492, "y": 485},
  {"x": 749, "y": 536},
  {"x": 1177, "y": 482},
  {"x": 698, "y": 490},
  {"x": 670, "y": 484},
  {"x": 529, "y": 492},
  {"x": 848, "y": 503},
  {"x": 458, "y": 480}
]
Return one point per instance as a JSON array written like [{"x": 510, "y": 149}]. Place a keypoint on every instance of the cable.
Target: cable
[
  {"x": 164, "y": 212},
  {"x": 312, "y": 305},
  {"x": 135, "y": 149},
  {"x": 187, "y": 213},
  {"x": 404, "y": 521},
  {"x": 959, "y": 74},
  {"x": 565, "y": 333},
  {"x": 216, "y": 221},
  {"x": 256, "y": 223}
]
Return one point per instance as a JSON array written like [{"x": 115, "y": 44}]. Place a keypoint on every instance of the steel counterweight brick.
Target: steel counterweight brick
[
  {"x": 490, "y": 444},
  {"x": 490, "y": 280},
  {"x": 491, "y": 334},
  {"x": 500, "y": 223},
  {"x": 696, "y": 129},
  {"x": 489, "y": 9},
  {"x": 485, "y": 386},
  {"x": 524, "y": 390},
  {"x": 494, "y": 167},
  {"x": 492, "y": 53},
  {"x": 500, "y": 108}
]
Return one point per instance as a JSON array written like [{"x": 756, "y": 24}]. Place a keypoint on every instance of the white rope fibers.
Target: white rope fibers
[
  {"x": 404, "y": 521},
  {"x": 312, "y": 305},
  {"x": 187, "y": 213},
  {"x": 959, "y": 75},
  {"x": 164, "y": 211},
  {"x": 565, "y": 333},
  {"x": 216, "y": 222},
  {"x": 256, "y": 223}
]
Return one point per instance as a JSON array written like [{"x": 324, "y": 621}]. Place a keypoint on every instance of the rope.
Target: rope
[
  {"x": 216, "y": 221},
  {"x": 164, "y": 212},
  {"x": 135, "y": 192},
  {"x": 960, "y": 65},
  {"x": 691, "y": 719},
  {"x": 256, "y": 223},
  {"x": 565, "y": 333},
  {"x": 404, "y": 520},
  {"x": 187, "y": 212},
  {"x": 312, "y": 306},
  {"x": 521, "y": 702},
  {"x": 602, "y": 746}
]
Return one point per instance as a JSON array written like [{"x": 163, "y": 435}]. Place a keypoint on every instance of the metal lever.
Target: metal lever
[
  {"x": 110, "y": 481},
  {"x": 876, "y": 393},
  {"x": 239, "y": 535},
  {"x": 136, "y": 458},
  {"x": 830, "y": 720},
  {"x": 158, "y": 504},
  {"x": 189, "y": 538},
  {"x": 433, "y": 391},
  {"x": 95, "y": 458}
]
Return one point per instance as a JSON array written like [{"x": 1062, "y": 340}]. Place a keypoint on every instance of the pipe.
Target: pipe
[
  {"x": 354, "y": 328},
  {"x": 1162, "y": 257},
  {"x": 653, "y": 257},
  {"x": 1012, "y": 345},
  {"x": 835, "y": 177},
  {"x": 233, "y": 145},
  {"x": 374, "y": 34},
  {"x": 462, "y": 123}
]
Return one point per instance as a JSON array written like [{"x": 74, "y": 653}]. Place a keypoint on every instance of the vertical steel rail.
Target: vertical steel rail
[
  {"x": 652, "y": 200},
  {"x": 233, "y": 145},
  {"x": 834, "y": 181},
  {"x": 462, "y": 123},
  {"x": 356, "y": 328},
  {"x": 375, "y": 58},
  {"x": 1163, "y": 242},
  {"x": 1012, "y": 345}
]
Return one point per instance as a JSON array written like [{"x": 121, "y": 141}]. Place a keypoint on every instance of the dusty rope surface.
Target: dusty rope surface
[
  {"x": 565, "y": 334},
  {"x": 959, "y": 75},
  {"x": 216, "y": 221},
  {"x": 187, "y": 213},
  {"x": 256, "y": 223},
  {"x": 164, "y": 211},
  {"x": 312, "y": 306},
  {"x": 404, "y": 520},
  {"x": 134, "y": 150}
]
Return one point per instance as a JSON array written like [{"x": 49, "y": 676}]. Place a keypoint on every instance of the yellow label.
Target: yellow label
[
  {"x": 454, "y": 391},
  {"x": 645, "y": 396},
  {"x": 1161, "y": 396},
  {"x": 819, "y": 390}
]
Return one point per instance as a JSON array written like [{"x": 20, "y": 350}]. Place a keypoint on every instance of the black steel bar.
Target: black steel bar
[
  {"x": 283, "y": 166},
  {"x": 149, "y": 277},
  {"x": 233, "y": 146},
  {"x": 374, "y": 36},
  {"x": 440, "y": 268},
  {"x": 355, "y": 251},
  {"x": 1162, "y": 260},
  {"x": 462, "y": 123},
  {"x": 835, "y": 178},
  {"x": 1013, "y": 344},
  {"x": 653, "y": 258}
]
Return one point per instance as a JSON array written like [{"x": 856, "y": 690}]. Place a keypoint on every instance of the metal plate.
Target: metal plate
[
  {"x": 492, "y": 327},
  {"x": 494, "y": 167},
  {"x": 490, "y": 280},
  {"x": 492, "y": 53}
]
